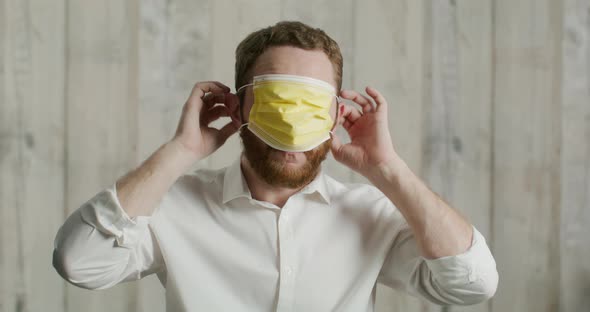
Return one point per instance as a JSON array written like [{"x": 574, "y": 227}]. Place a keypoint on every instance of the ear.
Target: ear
[
  {"x": 246, "y": 103},
  {"x": 338, "y": 117},
  {"x": 233, "y": 104}
]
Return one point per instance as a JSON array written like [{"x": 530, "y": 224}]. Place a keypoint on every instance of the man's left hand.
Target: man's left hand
[{"x": 370, "y": 147}]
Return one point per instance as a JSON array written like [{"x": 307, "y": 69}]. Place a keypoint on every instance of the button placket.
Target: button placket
[{"x": 287, "y": 271}]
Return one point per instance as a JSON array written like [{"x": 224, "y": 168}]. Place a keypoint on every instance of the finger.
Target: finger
[
  {"x": 225, "y": 132},
  {"x": 229, "y": 100},
  {"x": 232, "y": 101},
  {"x": 214, "y": 114},
  {"x": 204, "y": 87},
  {"x": 378, "y": 97},
  {"x": 210, "y": 99},
  {"x": 350, "y": 113},
  {"x": 341, "y": 152},
  {"x": 365, "y": 102},
  {"x": 347, "y": 124},
  {"x": 345, "y": 121}
]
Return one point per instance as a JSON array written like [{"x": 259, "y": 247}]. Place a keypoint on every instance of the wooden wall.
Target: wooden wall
[{"x": 489, "y": 104}]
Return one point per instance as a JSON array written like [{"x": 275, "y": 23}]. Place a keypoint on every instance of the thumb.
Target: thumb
[
  {"x": 346, "y": 154},
  {"x": 224, "y": 133}
]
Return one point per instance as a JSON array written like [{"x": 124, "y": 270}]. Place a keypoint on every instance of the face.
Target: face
[{"x": 286, "y": 169}]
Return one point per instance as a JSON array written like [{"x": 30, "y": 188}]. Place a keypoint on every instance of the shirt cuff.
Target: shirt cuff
[
  {"x": 104, "y": 212},
  {"x": 475, "y": 265}
]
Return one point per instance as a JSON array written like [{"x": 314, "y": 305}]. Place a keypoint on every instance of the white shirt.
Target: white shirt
[{"x": 214, "y": 248}]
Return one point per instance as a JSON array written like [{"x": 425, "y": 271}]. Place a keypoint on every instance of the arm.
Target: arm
[
  {"x": 100, "y": 246},
  {"x": 439, "y": 229},
  {"x": 438, "y": 238},
  {"x": 108, "y": 239},
  {"x": 463, "y": 279},
  {"x": 141, "y": 189}
]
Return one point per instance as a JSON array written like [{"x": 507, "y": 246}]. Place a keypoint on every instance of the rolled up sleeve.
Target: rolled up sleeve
[
  {"x": 464, "y": 279},
  {"x": 100, "y": 246}
]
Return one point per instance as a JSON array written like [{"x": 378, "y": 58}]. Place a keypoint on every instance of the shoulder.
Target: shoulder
[
  {"x": 359, "y": 196},
  {"x": 202, "y": 177},
  {"x": 360, "y": 192},
  {"x": 365, "y": 203},
  {"x": 195, "y": 189}
]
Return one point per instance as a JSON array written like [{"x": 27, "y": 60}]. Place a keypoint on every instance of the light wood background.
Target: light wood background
[{"x": 489, "y": 104}]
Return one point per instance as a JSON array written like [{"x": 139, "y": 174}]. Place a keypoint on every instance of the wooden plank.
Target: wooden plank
[
  {"x": 101, "y": 107},
  {"x": 457, "y": 123},
  {"x": 526, "y": 159},
  {"x": 12, "y": 290},
  {"x": 175, "y": 53},
  {"x": 157, "y": 113},
  {"x": 231, "y": 20},
  {"x": 31, "y": 153},
  {"x": 575, "y": 160},
  {"x": 391, "y": 54}
]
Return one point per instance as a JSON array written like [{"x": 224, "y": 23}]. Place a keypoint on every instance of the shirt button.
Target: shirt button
[{"x": 288, "y": 270}]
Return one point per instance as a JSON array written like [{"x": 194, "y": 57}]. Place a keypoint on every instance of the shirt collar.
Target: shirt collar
[
  {"x": 235, "y": 185},
  {"x": 319, "y": 186}
]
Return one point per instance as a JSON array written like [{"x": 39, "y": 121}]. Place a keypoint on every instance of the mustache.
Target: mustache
[{"x": 274, "y": 172}]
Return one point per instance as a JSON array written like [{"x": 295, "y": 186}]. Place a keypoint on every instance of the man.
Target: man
[{"x": 272, "y": 232}]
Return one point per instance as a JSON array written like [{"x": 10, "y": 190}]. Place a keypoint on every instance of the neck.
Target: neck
[{"x": 262, "y": 191}]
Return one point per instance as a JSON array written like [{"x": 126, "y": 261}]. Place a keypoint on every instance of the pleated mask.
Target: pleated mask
[{"x": 291, "y": 113}]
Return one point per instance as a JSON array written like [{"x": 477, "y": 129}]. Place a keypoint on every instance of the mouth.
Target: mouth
[{"x": 287, "y": 157}]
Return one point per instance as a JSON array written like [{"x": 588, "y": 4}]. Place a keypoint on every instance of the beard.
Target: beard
[{"x": 275, "y": 172}]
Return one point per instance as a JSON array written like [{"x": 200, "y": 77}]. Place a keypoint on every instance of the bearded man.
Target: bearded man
[{"x": 273, "y": 232}]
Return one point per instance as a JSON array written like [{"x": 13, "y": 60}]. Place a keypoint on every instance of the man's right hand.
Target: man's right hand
[
  {"x": 140, "y": 190},
  {"x": 194, "y": 132}
]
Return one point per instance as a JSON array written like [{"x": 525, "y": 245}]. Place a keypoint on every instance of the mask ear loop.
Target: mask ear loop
[
  {"x": 338, "y": 101},
  {"x": 240, "y": 89},
  {"x": 244, "y": 86}
]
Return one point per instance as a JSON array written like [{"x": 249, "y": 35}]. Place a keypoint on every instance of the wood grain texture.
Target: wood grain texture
[
  {"x": 12, "y": 290},
  {"x": 101, "y": 103},
  {"x": 175, "y": 52},
  {"x": 489, "y": 103},
  {"x": 8, "y": 158},
  {"x": 574, "y": 288},
  {"x": 457, "y": 119},
  {"x": 31, "y": 153},
  {"x": 526, "y": 186},
  {"x": 157, "y": 114},
  {"x": 390, "y": 54}
]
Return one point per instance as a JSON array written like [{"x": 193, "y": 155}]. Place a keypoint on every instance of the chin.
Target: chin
[
  {"x": 290, "y": 163},
  {"x": 289, "y": 158},
  {"x": 287, "y": 169}
]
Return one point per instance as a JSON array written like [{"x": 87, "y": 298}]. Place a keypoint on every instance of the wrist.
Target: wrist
[
  {"x": 388, "y": 173},
  {"x": 142, "y": 187},
  {"x": 177, "y": 155},
  {"x": 181, "y": 152}
]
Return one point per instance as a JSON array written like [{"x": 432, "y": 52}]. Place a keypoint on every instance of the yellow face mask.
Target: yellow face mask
[{"x": 291, "y": 113}]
